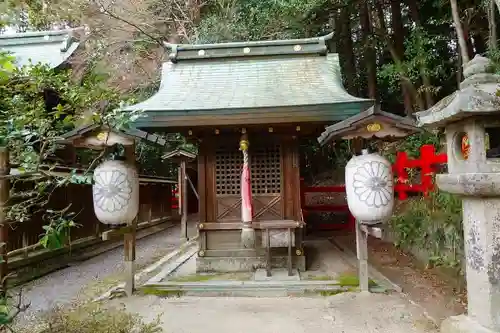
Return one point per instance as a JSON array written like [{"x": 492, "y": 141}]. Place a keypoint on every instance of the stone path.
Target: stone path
[
  {"x": 94, "y": 276},
  {"x": 342, "y": 313}
]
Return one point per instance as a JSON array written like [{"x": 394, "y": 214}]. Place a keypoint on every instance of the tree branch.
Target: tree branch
[{"x": 116, "y": 17}]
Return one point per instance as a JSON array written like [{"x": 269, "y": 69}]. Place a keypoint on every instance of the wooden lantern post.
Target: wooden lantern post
[
  {"x": 368, "y": 125},
  {"x": 129, "y": 237},
  {"x": 99, "y": 137}
]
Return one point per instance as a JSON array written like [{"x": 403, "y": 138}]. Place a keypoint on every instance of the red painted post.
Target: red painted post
[
  {"x": 401, "y": 175},
  {"x": 303, "y": 198}
]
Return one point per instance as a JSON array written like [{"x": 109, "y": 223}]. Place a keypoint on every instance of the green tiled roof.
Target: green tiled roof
[
  {"x": 292, "y": 78},
  {"x": 46, "y": 47}
]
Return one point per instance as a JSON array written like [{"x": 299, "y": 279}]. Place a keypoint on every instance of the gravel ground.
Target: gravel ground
[
  {"x": 343, "y": 313},
  {"x": 91, "y": 277},
  {"x": 425, "y": 286}
]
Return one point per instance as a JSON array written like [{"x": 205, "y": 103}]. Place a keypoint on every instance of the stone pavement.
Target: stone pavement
[
  {"x": 342, "y": 313},
  {"x": 89, "y": 278}
]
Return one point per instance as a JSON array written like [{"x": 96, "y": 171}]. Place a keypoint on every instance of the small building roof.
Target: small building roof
[
  {"x": 46, "y": 47},
  {"x": 477, "y": 96},
  {"x": 79, "y": 136},
  {"x": 370, "y": 123},
  {"x": 179, "y": 154},
  {"x": 258, "y": 82}
]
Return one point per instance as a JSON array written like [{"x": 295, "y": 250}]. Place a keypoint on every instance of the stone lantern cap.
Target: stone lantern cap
[
  {"x": 478, "y": 96},
  {"x": 468, "y": 114}
]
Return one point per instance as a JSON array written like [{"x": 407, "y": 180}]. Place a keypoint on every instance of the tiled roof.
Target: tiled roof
[
  {"x": 246, "y": 77},
  {"x": 239, "y": 83},
  {"x": 47, "y": 47}
]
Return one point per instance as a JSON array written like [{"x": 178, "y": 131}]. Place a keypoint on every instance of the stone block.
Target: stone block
[
  {"x": 463, "y": 324},
  {"x": 278, "y": 238},
  {"x": 245, "y": 264}
]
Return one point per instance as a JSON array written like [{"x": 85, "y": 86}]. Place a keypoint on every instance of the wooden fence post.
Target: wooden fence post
[
  {"x": 183, "y": 201},
  {"x": 4, "y": 227}
]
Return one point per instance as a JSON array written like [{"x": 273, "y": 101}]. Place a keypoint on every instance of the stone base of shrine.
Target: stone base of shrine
[
  {"x": 463, "y": 324},
  {"x": 245, "y": 264}
]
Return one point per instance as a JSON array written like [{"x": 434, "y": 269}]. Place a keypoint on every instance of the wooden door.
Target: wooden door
[{"x": 265, "y": 166}]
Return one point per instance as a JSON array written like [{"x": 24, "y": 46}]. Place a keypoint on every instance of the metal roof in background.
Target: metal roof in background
[{"x": 46, "y": 47}]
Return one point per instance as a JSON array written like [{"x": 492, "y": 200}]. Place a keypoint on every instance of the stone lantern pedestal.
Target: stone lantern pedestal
[{"x": 471, "y": 115}]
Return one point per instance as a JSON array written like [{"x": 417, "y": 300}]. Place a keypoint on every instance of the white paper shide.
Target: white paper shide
[
  {"x": 116, "y": 192},
  {"x": 369, "y": 188}
]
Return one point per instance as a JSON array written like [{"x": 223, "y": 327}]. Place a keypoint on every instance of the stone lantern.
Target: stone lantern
[{"x": 471, "y": 118}]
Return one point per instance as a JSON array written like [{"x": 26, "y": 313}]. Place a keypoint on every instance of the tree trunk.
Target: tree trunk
[
  {"x": 460, "y": 33},
  {"x": 411, "y": 92},
  {"x": 370, "y": 59},
  {"x": 346, "y": 49},
  {"x": 460, "y": 65},
  {"x": 492, "y": 26},
  {"x": 468, "y": 39},
  {"x": 480, "y": 46},
  {"x": 398, "y": 34},
  {"x": 412, "y": 4}
]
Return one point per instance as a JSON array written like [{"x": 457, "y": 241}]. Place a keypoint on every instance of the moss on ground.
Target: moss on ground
[
  {"x": 320, "y": 278},
  {"x": 160, "y": 292},
  {"x": 211, "y": 277},
  {"x": 347, "y": 280},
  {"x": 192, "y": 278}
]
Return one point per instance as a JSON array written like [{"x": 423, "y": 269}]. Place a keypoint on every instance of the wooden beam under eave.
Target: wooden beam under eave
[
  {"x": 198, "y": 133},
  {"x": 244, "y": 119}
]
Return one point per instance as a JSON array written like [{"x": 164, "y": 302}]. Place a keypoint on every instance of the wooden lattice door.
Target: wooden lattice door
[{"x": 265, "y": 166}]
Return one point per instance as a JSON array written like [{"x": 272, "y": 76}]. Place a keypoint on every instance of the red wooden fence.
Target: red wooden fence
[
  {"x": 337, "y": 208},
  {"x": 427, "y": 164}
]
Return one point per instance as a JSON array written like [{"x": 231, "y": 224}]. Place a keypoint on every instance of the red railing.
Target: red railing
[
  {"x": 337, "y": 208},
  {"x": 427, "y": 163},
  {"x": 175, "y": 198}
]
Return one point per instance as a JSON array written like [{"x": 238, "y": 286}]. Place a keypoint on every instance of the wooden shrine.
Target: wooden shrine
[{"x": 264, "y": 95}]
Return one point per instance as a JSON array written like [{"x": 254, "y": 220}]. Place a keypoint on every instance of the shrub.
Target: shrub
[
  {"x": 94, "y": 318},
  {"x": 433, "y": 224}
]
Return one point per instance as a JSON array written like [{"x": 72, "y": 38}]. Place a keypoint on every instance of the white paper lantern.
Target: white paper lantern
[
  {"x": 116, "y": 192},
  {"x": 369, "y": 188}
]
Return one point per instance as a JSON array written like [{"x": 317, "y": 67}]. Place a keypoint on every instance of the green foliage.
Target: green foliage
[
  {"x": 58, "y": 230},
  {"x": 412, "y": 144},
  {"x": 31, "y": 123},
  {"x": 432, "y": 224},
  {"x": 232, "y": 20},
  {"x": 95, "y": 318},
  {"x": 494, "y": 56}
]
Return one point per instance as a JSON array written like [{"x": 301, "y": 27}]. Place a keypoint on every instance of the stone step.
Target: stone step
[{"x": 249, "y": 288}]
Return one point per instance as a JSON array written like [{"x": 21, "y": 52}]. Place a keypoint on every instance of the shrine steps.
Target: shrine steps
[{"x": 250, "y": 288}]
